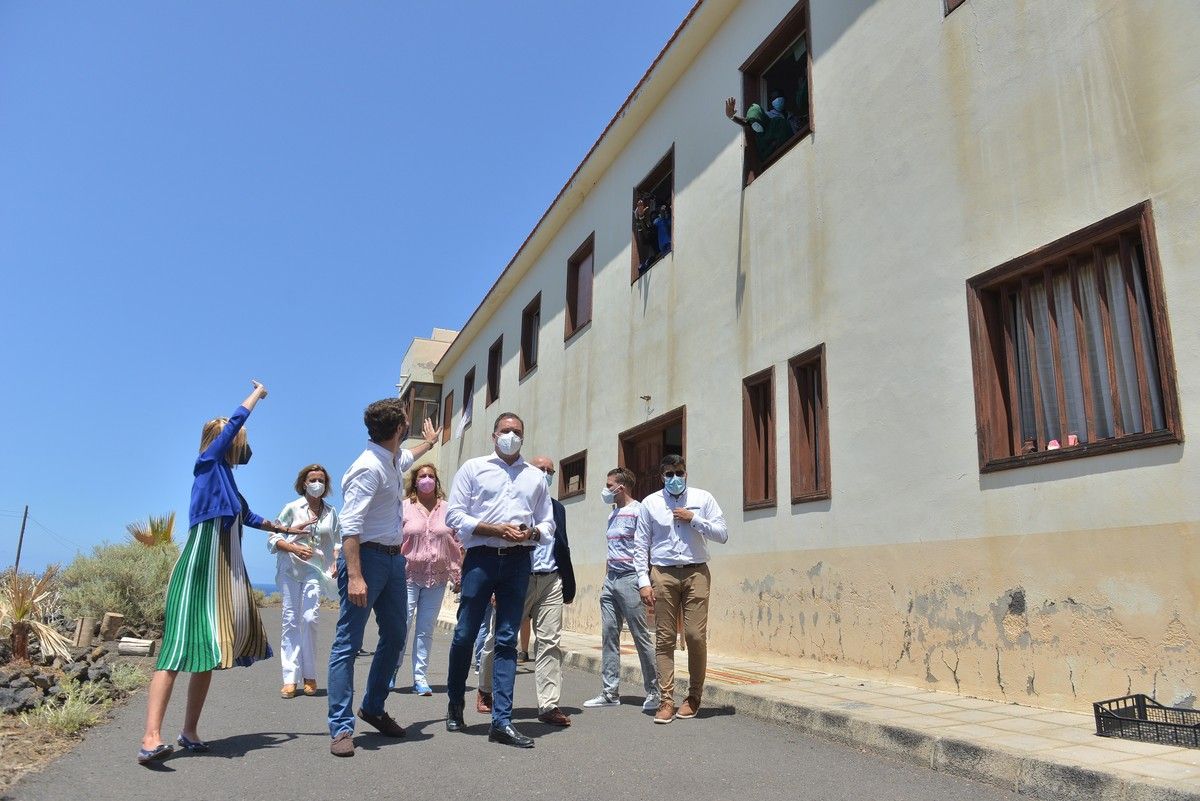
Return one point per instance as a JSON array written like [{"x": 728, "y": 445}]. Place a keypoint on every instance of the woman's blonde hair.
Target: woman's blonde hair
[
  {"x": 412, "y": 482},
  {"x": 213, "y": 429}
]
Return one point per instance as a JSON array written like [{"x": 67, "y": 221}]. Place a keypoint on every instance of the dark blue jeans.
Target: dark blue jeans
[
  {"x": 387, "y": 595},
  {"x": 484, "y": 573}
]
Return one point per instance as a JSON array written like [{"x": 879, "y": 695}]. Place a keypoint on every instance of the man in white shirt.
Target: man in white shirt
[
  {"x": 619, "y": 598},
  {"x": 551, "y": 585},
  {"x": 500, "y": 507},
  {"x": 671, "y": 559},
  {"x": 371, "y": 572}
]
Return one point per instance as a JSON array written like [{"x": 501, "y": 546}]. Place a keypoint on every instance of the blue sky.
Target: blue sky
[{"x": 194, "y": 194}]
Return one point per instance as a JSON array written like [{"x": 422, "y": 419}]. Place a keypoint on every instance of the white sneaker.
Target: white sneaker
[
  {"x": 651, "y": 703},
  {"x": 603, "y": 699}
]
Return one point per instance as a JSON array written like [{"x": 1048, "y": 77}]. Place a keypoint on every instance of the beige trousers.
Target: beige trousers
[
  {"x": 677, "y": 588},
  {"x": 543, "y": 603}
]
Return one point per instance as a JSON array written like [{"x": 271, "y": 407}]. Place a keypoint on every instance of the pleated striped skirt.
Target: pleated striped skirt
[{"x": 212, "y": 622}]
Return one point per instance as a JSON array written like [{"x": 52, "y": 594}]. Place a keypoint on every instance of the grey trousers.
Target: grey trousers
[{"x": 620, "y": 603}]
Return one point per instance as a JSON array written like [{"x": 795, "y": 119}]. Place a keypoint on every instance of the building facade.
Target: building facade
[{"x": 926, "y": 336}]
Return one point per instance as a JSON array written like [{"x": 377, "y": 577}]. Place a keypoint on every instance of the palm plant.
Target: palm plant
[
  {"x": 157, "y": 530},
  {"x": 25, "y": 600}
]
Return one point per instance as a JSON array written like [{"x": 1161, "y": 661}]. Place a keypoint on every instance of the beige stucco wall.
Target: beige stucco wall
[{"x": 942, "y": 148}]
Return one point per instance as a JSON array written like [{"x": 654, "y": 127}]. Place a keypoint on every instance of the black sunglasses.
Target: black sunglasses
[{"x": 673, "y": 473}]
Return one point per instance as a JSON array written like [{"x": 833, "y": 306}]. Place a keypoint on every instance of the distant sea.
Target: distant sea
[{"x": 266, "y": 589}]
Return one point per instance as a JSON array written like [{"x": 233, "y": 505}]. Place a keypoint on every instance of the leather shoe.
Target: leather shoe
[
  {"x": 454, "y": 717},
  {"x": 483, "y": 703},
  {"x": 508, "y": 735},
  {"x": 555, "y": 717},
  {"x": 383, "y": 722}
]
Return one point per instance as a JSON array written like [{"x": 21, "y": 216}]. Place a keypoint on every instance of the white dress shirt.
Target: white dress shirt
[
  {"x": 670, "y": 542},
  {"x": 371, "y": 495},
  {"x": 487, "y": 489},
  {"x": 542, "y": 559}
]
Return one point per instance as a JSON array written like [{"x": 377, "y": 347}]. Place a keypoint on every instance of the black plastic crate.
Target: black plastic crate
[{"x": 1140, "y": 717}]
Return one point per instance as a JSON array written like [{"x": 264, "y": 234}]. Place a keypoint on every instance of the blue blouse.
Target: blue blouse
[{"x": 214, "y": 492}]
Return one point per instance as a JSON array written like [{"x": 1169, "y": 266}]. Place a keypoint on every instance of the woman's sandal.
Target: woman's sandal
[
  {"x": 145, "y": 756},
  {"x": 195, "y": 746}
]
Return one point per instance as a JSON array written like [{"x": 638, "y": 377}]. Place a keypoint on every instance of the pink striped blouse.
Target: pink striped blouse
[{"x": 431, "y": 550}]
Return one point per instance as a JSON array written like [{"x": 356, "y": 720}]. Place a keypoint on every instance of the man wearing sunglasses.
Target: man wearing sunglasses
[{"x": 671, "y": 557}]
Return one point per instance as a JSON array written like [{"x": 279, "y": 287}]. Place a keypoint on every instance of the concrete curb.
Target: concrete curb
[{"x": 1031, "y": 776}]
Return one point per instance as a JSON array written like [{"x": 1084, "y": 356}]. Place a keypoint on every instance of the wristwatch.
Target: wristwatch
[{"x": 536, "y": 536}]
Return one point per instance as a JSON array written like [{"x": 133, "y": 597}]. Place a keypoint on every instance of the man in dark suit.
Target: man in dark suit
[{"x": 551, "y": 585}]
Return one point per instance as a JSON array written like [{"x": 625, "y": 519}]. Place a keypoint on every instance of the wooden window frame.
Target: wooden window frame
[
  {"x": 529, "y": 332},
  {"x": 573, "y": 323},
  {"x": 447, "y": 416},
  {"x": 994, "y": 371},
  {"x": 563, "y": 492},
  {"x": 753, "y": 456},
  {"x": 468, "y": 400},
  {"x": 495, "y": 362},
  {"x": 950, "y": 5},
  {"x": 797, "y": 23},
  {"x": 806, "y": 421},
  {"x": 663, "y": 167}
]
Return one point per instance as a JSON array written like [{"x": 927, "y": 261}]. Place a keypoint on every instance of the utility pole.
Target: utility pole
[{"x": 20, "y": 540}]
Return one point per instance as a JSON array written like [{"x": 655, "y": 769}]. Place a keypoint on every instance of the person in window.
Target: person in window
[
  {"x": 211, "y": 619},
  {"x": 304, "y": 568},
  {"x": 766, "y": 133},
  {"x": 645, "y": 232},
  {"x": 662, "y": 224},
  {"x": 779, "y": 111}
]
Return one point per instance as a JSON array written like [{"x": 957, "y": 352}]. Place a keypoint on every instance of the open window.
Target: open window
[
  {"x": 531, "y": 324},
  {"x": 468, "y": 400},
  {"x": 422, "y": 401},
  {"x": 758, "y": 440},
  {"x": 776, "y": 96},
  {"x": 1071, "y": 349},
  {"x": 950, "y": 5},
  {"x": 580, "y": 269},
  {"x": 653, "y": 216},
  {"x": 572, "y": 473},
  {"x": 448, "y": 417},
  {"x": 495, "y": 354}
]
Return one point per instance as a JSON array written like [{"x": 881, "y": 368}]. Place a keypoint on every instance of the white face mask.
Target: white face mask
[
  {"x": 508, "y": 443},
  {"x": 608, "y": 496},
  {"x": 315, "y": 488}
]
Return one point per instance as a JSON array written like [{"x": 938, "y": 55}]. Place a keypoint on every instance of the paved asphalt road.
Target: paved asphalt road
[{"x": 266, "y": 748}]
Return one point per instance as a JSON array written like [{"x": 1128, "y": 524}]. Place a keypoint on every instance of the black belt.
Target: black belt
[
  {"x": 505, "y": 551},
  {"x": 390, "y": 550},
  {"x": 543, "y": 572}
]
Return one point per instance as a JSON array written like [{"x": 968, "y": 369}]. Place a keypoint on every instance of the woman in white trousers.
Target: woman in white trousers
[{"x": 304, "y": 565}]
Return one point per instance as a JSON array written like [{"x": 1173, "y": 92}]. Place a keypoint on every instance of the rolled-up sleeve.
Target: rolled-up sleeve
[
  {"x": 641, "y": 548},
  {"x": 457, "y": 516},
  {"x": 273, "y": 541},
  {"x": 357, "y": 491},
  {"x": 711, "y": 522}
]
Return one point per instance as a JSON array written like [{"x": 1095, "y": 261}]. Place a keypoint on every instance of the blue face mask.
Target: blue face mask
[
  {"x": 777, "y": 104},
  {"x": 549, "y": 481},
  {"x": 675, "y": 485}
]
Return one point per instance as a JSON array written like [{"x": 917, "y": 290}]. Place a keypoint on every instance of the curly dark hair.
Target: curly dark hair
[{"x": 384, "y": 418}]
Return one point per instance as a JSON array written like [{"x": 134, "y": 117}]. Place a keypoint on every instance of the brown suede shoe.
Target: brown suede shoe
[
  {"x": 342, "y": 745},
  {"x": 689, "y": 708},
  {"x": 555, "y": 717},
  {"x": 665, "y": 713},
  {"x": 310, "y": 686},
  {"x": 483, "y": 703},
  {"x": 288, "y": 691}
]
